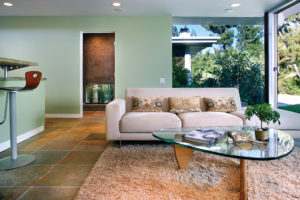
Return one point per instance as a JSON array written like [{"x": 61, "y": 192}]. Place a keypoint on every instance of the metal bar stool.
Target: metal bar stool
[{"x": 14, "y": 161}]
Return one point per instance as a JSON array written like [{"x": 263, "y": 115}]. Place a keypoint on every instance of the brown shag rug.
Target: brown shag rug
[{"x": 150, "y": 171}]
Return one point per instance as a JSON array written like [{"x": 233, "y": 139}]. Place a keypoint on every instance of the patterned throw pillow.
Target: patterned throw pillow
[
  {"x": 147, "y": 104},
  {"x": 180, "y": 105},
  {"x": 221, "y": 104}
]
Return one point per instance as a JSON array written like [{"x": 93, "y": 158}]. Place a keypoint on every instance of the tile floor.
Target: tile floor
[{"x": 65, "y": 153}]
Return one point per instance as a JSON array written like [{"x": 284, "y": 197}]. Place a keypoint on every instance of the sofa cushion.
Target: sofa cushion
[
  {"x": 201, "y": 119},
  {"x": 147, "y": 104},
  {"x": 184, "y": 104},
  {"x": 220, "y": 104},
  {"x": 147, "y": 122}
]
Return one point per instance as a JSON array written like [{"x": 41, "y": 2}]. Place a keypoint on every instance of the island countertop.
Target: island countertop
[
  {"x": 17, "y": 79},
  {"x": 8, "y": 64}
]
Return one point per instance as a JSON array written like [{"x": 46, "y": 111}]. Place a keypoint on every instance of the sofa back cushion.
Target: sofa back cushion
[
  {"x": 184, "y": 104},
  {"x": 220, "y": 104},
  {"x": 147, "y": 104},
  {"x": 181, "y": 92}
]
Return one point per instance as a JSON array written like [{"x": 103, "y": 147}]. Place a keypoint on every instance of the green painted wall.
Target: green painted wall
[
  {"x": 143, "y": 52},
  {"x": 30, "y": 109}
]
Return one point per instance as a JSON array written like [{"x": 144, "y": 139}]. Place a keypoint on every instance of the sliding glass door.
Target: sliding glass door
[
  {"x": 289, "y": 62},
  {"x": 283, "y": 58}
]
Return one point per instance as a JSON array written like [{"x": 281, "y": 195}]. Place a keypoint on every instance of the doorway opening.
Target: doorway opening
[{"x": 98, "y": 70}]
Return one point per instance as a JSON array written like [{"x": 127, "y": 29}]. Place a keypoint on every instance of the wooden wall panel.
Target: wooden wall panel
[{"x": 98, "y": 58}]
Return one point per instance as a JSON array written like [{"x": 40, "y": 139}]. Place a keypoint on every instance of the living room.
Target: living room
[{"x": 68, "y": 141}]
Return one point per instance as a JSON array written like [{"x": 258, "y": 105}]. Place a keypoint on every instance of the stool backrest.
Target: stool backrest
[{"x": 32, "y": 80}]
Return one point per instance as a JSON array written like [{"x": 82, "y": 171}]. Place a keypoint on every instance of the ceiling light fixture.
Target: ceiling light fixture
[
  {"x": 234, "y": 5},
  {"x": 116, "y": 4},
  {"x": 228, "y": 10},
  {"x": 8, "y": 4}
]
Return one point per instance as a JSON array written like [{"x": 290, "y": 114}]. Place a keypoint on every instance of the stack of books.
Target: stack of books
[{"x": 204, "y": 136}]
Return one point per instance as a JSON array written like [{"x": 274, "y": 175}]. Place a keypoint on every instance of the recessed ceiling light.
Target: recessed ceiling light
[
  {"x": 234, "y": 5},
  {"x": 116, "y": 4},
  {"x": 228, "y": 10},
  {"x": 8, "y": 4}
]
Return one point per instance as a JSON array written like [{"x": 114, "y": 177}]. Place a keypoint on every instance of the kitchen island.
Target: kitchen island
[{"x": 30, "y": 105}]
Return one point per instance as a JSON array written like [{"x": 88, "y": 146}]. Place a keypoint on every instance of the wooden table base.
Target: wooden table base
[
  {"x": 183, "y": 156},
  {"x": 243, "y": 180}
]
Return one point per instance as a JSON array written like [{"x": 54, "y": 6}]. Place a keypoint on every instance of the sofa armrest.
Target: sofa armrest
[{"x": 113, "y": 113}]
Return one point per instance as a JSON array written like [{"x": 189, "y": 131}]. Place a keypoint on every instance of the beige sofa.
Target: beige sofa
[{"x": 121, "y": 124}]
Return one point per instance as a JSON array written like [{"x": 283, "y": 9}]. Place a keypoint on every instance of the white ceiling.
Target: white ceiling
[{"x": 203, "y": 8}]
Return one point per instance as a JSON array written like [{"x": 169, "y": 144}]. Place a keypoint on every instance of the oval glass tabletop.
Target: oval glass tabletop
[{"x": 280, "y": 143}]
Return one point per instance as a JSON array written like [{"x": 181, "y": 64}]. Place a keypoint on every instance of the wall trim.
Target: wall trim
[
  {"x": 63, "y": 115},
  {"x": 20, "y": 138}
]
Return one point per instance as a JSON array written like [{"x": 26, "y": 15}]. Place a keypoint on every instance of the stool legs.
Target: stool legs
[
  {"x": 14, "y": 161},
  {"x": 13, "y": 125}
]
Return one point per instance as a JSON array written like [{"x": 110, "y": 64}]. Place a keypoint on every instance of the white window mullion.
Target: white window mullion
[{"x": 272, "y": 59}]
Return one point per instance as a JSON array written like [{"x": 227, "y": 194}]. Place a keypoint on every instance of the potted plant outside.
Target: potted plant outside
[{"x": 265, "y": 114}]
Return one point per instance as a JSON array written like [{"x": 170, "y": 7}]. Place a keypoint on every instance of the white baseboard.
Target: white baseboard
[
  {"x": 5, "y": 145},
  {"x": 63, "y": 115}
]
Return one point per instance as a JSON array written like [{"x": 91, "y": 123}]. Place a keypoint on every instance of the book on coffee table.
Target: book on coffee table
[{"x": 206, "y": 136}]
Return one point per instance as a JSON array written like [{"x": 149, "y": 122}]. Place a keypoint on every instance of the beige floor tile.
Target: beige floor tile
[
  {"x": 36, "y": 137},
  {"x": 89, "y": 124},
  {"x": 49, "y": 157},
  {"x": 6, "y": 153},
  {"x": 50, "y": 123},
  {"x": 73, "y": 136},
  {"x": 23, "y": 176},
  {"x": 93, "y": 114},
  {"x": 81, "y": 130},
  {"x": 60, "y": 145},
  {"x": 92, "y": 145},
  {"x": 99, "y": 129},
  {"x": 81, "y": 157},
  {"x": 95, "y": 136},
  {"x": 61, "y": 193},
  {"x": 43, "y": 140},
  {"x": 11, "y": 193},
  {"x": 35, "y": 145},
  {"x": 66, "y": 175}
]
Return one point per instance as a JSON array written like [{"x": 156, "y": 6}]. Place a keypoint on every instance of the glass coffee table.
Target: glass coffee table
[{"x": 279, "y": 144}]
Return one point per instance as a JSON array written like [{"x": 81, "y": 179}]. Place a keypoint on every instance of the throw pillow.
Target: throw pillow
[
  {"x": 180, "y": 105},
  {"x": 147, "y": 104},
  {"x": 220, "y": 104}
]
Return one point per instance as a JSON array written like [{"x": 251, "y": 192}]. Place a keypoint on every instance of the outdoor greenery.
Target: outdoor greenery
[
  {"x": 293, "y": 108},
  {"x": 105, "y": 93},
  {"x": 263, "y": 112},
  {"x": 289, "y": 56},
  {"x": 237, "y": 61},
  {"x": 179, "y": 73}
]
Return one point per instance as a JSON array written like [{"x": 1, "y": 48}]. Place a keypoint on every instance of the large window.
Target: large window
[{"x": 211, "y": 55}]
